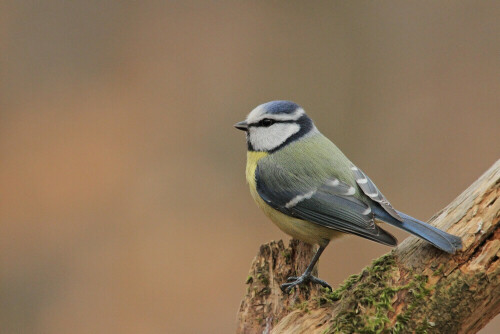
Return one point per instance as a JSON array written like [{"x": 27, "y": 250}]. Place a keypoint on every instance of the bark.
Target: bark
[{"x": 414, "y": 288}]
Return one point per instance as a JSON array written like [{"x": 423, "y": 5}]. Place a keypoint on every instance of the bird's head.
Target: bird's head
[{"x": 275, "y": 124}]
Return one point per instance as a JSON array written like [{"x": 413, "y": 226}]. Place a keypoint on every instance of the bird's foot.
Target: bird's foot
[{"x": 294, "y": 281}]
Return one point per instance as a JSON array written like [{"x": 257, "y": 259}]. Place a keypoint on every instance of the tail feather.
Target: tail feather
[{"x": 442, "y": 240}]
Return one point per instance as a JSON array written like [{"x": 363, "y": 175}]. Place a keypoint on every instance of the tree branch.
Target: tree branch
[{"x": 414, "y": 288}]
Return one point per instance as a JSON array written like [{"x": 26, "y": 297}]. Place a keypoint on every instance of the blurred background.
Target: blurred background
[{"x": 123, "y": 203}]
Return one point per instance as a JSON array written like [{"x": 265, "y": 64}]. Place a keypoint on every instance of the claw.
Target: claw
[
  {"x": 294, "y": 281},
  {"x": 286, "y": 287},
  {"x": 320, "y": 282}
]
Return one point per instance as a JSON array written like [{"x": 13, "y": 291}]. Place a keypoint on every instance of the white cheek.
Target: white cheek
[{"x": 266, "y": 139}]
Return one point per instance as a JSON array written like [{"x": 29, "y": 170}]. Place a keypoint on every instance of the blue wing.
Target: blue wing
[{"x": 331, "y": 204}]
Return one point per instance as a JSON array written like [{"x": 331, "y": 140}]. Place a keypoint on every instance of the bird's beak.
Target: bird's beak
[{"x": 241, "y": 126}]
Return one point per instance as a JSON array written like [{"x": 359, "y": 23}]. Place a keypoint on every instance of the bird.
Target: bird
[{"x": 308, "y": 188}]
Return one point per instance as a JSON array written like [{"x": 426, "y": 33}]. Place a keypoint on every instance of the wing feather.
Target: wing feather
[
  {"x": 330, "y": 204},
  {"x": 371, "y": 190}
]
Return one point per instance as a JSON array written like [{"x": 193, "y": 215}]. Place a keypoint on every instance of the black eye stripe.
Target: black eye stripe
[
  {"x": 257, "y": 124},
  {"x": 266, "y": 122}
]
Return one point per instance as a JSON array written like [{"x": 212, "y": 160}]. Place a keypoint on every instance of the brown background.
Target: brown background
[{"x": 123, "y": 203}]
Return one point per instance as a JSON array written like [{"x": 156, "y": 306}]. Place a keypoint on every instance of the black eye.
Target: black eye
[{"x": 266, "y": 122}]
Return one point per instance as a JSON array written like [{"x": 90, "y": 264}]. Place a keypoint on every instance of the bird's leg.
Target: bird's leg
[{"x": 306, "y": 276}]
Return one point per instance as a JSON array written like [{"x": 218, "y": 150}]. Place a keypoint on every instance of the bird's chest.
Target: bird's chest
[
  {"x": 297, "y": 228},
  {"x": 252, "y": 161}
]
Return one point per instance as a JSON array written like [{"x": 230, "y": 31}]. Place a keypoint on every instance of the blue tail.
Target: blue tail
[{"x": 442, "y": 240}]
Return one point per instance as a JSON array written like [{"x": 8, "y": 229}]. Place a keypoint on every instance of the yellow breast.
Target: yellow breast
[
  {"x": 252, "y": 160},
  {"x": 297, "y": 228}
]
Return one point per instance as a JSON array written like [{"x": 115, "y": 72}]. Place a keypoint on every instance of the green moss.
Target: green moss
[
  {"x": 287, "y": 254},
  {"x": 451, "y": 298},
  {"x": 417, "y": 292},
  {"x": 423, "y": 327},
  {"x": 329, "y": 296},
  {"x": 249, "y": 279},
  {"x": 263, "y": 278},
  {"x": 304, "y": 307},
  {"x": 264, "y": 291},
  {"x": 369, "y": 299},
  {"x": 365, "y": 300},
  {"x": 438, "y": 271},
  {"x": 367, "y": 306}
]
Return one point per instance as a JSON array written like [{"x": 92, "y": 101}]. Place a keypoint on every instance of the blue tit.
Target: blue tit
[{"x": 313, "y": 192}]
